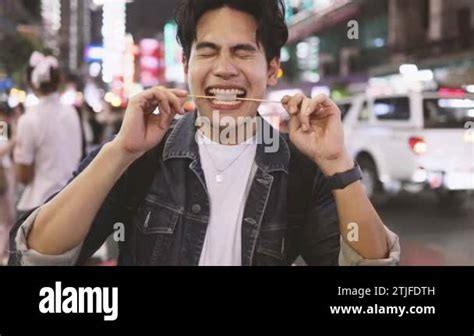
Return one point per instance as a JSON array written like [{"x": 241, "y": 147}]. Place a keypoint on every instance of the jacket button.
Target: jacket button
[
  {"x": 251, "y": 221},
  {"x": 196, "y": 208}
]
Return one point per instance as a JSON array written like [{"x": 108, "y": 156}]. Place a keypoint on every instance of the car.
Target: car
[{"x": 413, "y": 141}]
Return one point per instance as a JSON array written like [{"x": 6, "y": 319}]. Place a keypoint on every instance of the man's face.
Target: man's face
[{"x": 226, "y": 58}]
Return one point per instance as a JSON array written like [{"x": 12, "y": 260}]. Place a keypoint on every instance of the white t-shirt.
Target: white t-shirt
[
  {"x": 5, "y": 160},
  {"x": 223, "y": 242},
  {"x": 49, "y": 136}
]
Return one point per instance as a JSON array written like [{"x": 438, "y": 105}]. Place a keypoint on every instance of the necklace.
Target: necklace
[{"x": 219, "y": 178}]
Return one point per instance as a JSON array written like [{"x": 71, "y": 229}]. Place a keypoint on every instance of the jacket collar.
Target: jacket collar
[{"x": 181, "y": 144}]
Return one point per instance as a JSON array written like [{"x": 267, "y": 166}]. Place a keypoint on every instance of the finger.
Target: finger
[
  {"x": 164, "y": 105},
  {"x": 176, "y": 103},
  {"x": 162, "y": 120},
  {"x": 157, "y": 97},
  {"x": 149, "y": 100},
  {"x": 326, "y": 103},
  {"x": 322, "y": 113},
  {"x": 161, "y": 93},
  {"x": 154, "y": 120},
  {"x": 180, "y": 93},
  {"x": 323, "y": 99},
  {"x": 294, "y": 124},
  {"x": 183, "y": 97},
  {"x": 165, "y": 120},
  {"x": 285, "y": 100},
  {"x": 307, "y": 107},
  {"x": 152, "y": 95},
  {"x": 293, "y": 104}
]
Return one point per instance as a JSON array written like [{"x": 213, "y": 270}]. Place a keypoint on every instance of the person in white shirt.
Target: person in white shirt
[
  {"x": 48, "y": 147},
  {"x": 7, "y": 183}
]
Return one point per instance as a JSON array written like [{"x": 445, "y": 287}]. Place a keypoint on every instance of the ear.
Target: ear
[{"x": 273, "y": 68}]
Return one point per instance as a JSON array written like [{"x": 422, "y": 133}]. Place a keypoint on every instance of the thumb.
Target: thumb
[
  {"x": 294, "y": 123},
  {"x": 165, "y": 120}
]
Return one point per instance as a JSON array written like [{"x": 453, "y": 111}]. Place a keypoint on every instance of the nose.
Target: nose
[{"x": 224, "y": 67}]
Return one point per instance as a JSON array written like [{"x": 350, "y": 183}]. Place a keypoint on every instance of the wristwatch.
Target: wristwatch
[{"x": 342, "y": 180}]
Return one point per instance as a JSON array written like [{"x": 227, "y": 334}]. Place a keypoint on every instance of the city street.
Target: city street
[{"x": 430, "y": 234}]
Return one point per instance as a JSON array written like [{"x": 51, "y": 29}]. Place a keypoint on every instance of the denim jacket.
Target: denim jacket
[{"x": 289, "y": 212}]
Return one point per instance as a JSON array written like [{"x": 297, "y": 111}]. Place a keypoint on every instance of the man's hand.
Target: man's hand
[
  {"x": 141, "y": 129},
  {"x": 315, "y": 128},
  {"x": 53, "y": 232}
]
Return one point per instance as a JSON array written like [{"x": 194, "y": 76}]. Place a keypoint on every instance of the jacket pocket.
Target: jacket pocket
[
  {"x": 155, "y": 224},
  {"x": 155, "y": 217},
  {"x": 272, "y": 243}
]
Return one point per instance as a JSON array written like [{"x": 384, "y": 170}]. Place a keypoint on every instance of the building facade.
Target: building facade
[{"x": 347, "y": 42}]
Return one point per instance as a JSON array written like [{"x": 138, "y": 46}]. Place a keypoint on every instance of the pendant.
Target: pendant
[{"x": 219, "y": 178}]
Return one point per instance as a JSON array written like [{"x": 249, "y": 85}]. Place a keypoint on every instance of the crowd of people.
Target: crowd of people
[{"x": 42, "y": 145}]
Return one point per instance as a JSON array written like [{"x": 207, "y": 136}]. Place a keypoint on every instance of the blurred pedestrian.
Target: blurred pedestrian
[
  {"x": 18, "y": 111},
  {"x": 7, "y": 180},
  {"x": 49, "y": 144},
  {"x": 92, "y": 128}
]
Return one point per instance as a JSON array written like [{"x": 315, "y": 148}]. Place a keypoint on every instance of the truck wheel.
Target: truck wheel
[{"x": 370, "y": 180}]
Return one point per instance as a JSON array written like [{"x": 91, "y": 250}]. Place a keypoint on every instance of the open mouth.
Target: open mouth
[{"x": 226, "y": 96}]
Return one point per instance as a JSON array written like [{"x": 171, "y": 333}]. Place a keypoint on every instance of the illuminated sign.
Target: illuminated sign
[
  {"x": 173, "y": 54},
  {"x": 93, "y": 53},
  {"x": 152, "y": 63},
  {"x": 307, "y": 53},
  {"x": 295, "y": 7}
]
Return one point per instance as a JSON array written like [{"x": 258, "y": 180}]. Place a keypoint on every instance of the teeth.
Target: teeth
[
  {"x": 224, "y": 102},
  {"x": 217, "y": 91},
  {"x": 226, "y": 96}
]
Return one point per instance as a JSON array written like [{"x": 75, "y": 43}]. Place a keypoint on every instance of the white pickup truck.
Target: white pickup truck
[{"x": 414, "y": 141}]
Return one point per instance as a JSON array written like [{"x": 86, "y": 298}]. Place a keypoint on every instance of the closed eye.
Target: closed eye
[
  {"x": 206, "y": 49},
  {"x": 206, "y": 54},
  {"x": 244, "y": 54},
  {"x": 244, "y": 50}
]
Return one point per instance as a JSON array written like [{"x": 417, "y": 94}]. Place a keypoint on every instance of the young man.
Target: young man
[{"x": 185, "y": 196}]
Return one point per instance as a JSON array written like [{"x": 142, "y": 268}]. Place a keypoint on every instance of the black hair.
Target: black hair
[
  {"x": 272, "y": 32},
  {"x": 4, "y": 108},
  {"x": 6, "y": 112},
  {"x": 74, "y": 79},
  {"x": 45, "y": 88}
]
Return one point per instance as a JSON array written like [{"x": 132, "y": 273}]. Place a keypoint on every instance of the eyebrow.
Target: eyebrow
[
  {"x": 237, "y": 47},
  {"x": 204, "y": 45},
  {"x": 244, "y": 47}
]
